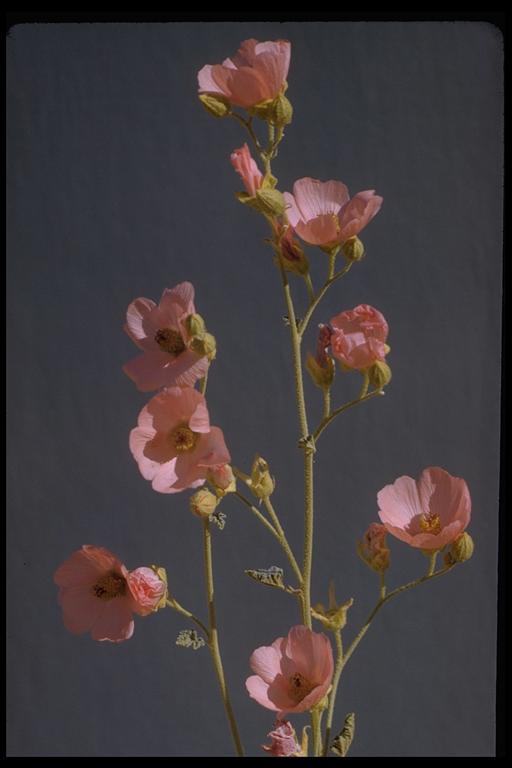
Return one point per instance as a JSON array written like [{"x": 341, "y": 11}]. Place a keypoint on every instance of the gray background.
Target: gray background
[{"x": 119, "y": 184}]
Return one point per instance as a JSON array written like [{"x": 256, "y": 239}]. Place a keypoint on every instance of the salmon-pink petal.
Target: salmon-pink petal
[
  {"x": 199, "y": 421},
  {"x": 439, "y": 540},
  {"x": 279, "y": 694},
  {"x": 83, "y": 567},
  {"x": 309, "y": 701},
  {"x": 445, "y": 496},
  {"x": 358, "y": 212},
  {"x": 206, "y": 82},
  {"x": 160, "y": 449},
  {"x": 166, "y": 477},
  {"x": 265, "y": 662},
  {"x": 164, "y": 411},
  {"x": 292, "y": 211},
  {"x": 245, "y": 56},
  {"x": 315, "y": 198},
  {"x": 399, "y": 503},
  {"x": 138, "y": 441},
  {"x": 258, "y": 690},
  {"x": 323, "y": 230},
  {"x": 135, "y": 314},
  {"x": 211, "y": 449},
  {"x": 115, "y": 621},
  {"x": 243, "y": 87},
  {"x": 273, "y": 61},
  {"x": 177, "y": 303},
  {"x": 148, "y": 370},
  {"x": 185, "y": 370},
  {"x": 80, "y": 609}
]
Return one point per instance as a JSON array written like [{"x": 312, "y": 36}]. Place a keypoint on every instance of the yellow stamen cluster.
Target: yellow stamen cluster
[
  {"x": 170, "y": 341},
  {"x": 299, "y": 687},
  {"x": 183, "y": 439},
  {"x": 430, "y": 523}
]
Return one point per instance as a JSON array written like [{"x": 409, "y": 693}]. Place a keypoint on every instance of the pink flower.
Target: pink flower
[
  {"x": 148, "y": 590},
  {"x": 427, "y": 513},
  {"x": 174, "y": 444},
  {"x": 95, "y": 595},
  {"x": 257, "y": 72},
  {"x": 245, "y": 165},
  {"x": 283, "y": 740},
  {"x": 358, "y": 337},
  {"x": 160, "y": 331},
  {"x": 322, "y": 213},
  {"x": 294, "y": 673}
]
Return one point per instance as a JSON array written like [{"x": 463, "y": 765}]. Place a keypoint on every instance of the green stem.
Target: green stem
[
  {"x": 317, "y": 735},
  {"x": 323, "y": 290},
  {"x": 248, "y": 126},
  {"x": 326, "y": 421},
  {"x": 364, "y": 386},
  {"x": 214, "y": 640},
  {"x": 309, "y": 286},
  {"x": 326, "y": 391},
  {"x": 203, "y": 384},
  {"x": 335, "y": 682},
  {"x": 283, "y": 540},
  {"x": 173, "y": 603},
  {"x": 308, "y": 536},
  {"x": 382, "y": 601},
  {"x": 258, "y": 514},
  {"x": 332, "y": 262},
  {"x": 432, "y": 562}
]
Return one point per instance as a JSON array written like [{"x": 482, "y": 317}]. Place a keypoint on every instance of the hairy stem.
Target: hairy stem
[
  {"x": 326, "y": 421},
  {"x": 213, "y": 643},
  {"x": 323, "y": 290},
  {"x": 334, "y": 691}
]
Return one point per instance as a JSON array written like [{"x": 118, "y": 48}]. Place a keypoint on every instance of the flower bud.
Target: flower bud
[
  {"x": 204, "y": 345},
  {"x": 148, "y": 587},
  {"x": 261, "y": 482},
  {"x": 334, "y": 617},
  {"x": 203, "y": 503},
  {"x": 379, "y": 374},
  {"x": 217, "y": 106},
  {"x": 353, "y": 249},
  {"x": 195, "y": 325},
  {"x": 282, "y": 111},
  {"x": 222, "y": 479},
  {"x": 322, "y": 376},
  {"x": 293, "y": 257},
  {"x": 460, "y": 551},
  {"x": 270, "y": 201},
  {"x": 373, "y": 549}
]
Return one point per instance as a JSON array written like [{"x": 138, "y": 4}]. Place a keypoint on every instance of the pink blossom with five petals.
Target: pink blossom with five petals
[
  {"x": 257, "y": 72},
  {"x": 160, "y": 331},
  {"x": 294, "y": 673},
  {"x": 428, "y": 513},
  {"x": 174, "y": 444},
  {"x": 322, "y": 212}
]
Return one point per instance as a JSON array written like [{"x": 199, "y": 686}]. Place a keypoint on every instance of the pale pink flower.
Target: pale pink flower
[
  {"x": 245, "y": 165},
  {"x": 427, "y": 513},
  {"x": 95, "y": 596},
  {"x": 294, "y": 673},
  {"x": 174, "y": 444},
  {"x": 257, "y": 72},
  {"x": 283, "y": 740},
  {"x": 147, "y": 588},
  {"x": 358, "y": 337},
  {"x": 160, "y": 331},
  {"x": 322, "y": 213}
]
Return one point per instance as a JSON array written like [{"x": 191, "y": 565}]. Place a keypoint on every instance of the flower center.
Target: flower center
[
  {"x": 109, "y": 586},
  {"x": 430, "y": 523},
  {"x": 299, "y": 687},
  {"x": 183, "y": 439},
  {"x": 170, "y": 341}
]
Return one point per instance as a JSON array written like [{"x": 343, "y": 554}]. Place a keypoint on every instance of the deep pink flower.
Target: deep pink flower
[
  {"x": 427, "y": 513},
  {"x": 283, "y": 740},
  {"x": 174, "y": 444},
  {"x": 294, "y": 673},
  {"x": 322, "y": 213},
  {"x": 257, "y": 72},
  {"x": 95, "y": 596},
  {"x": 245, "y": 165},
  {"x": 358, "y": 337},
  {"x": 160, "y": 331},
  {"x": 148, "y": 590}
]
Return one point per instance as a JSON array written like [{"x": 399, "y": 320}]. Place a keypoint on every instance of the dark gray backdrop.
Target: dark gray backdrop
[{"x": 119, "y": 185}]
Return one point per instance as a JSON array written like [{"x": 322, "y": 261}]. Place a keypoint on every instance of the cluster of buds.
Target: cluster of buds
[
  {"x": 321, "y": 366},
  {"x": 201, "y": 342}
]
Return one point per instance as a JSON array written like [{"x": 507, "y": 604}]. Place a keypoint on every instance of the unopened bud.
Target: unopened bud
[
  {"x": 261, "y": 482},
  {"x": 322, "y": 376},
  {"x": 203, "y": 503},
  {"x": 373, "y": 549},
  {"x": 217, "y": 106},
  {"x": 204, "y": 345},
  {"x": 271, "y": 201},
  {"x": 222, "y": 479},
  {"x": 195, "y": 325},
  {"x": 379, "y": 374},
  {"x": 282, "y": 111},
  {"x": 353, "y": 249},
  {"x": 460, "y": 551},
  {"x": 293, "y": 257}
]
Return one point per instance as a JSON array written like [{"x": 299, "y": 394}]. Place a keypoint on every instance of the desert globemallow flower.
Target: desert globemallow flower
[
  {"x": 174, "y": 444},
  {"x": 322, "y": 212},
  {"x": 99, "y": 595},
  {"x": 256, "y": 73},
  {"x": 428, "y": 513},
  {"x": 163, "y": 334},
  {"x": 283, "y": 741},
  {"x": 358, "y": 338},
  {"x": 294, "y": 673}
]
